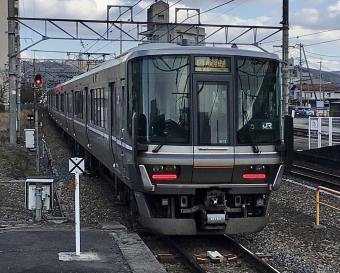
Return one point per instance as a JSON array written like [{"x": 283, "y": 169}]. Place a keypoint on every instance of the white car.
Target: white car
[{"x": 305, "y": 111}]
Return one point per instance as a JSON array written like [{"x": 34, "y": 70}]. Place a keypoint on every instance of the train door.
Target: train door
[
  {"x": 114, "y": 128},
  {"x": 213, "y": 142},
  {"x": 119, "y": 125},
  {"x": 87, "y": 115}
]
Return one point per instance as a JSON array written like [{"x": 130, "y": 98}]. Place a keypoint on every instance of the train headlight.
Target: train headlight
[
  {"x": 168, "y": 172},
  {"x": 260, "y": 202},
  {"x": 255, "y": 172},
  {"x": 158, "y": 169},
  {"x": 170, "y": 168}
]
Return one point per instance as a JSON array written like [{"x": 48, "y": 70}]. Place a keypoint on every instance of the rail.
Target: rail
[{"x": 318, "y": 203}]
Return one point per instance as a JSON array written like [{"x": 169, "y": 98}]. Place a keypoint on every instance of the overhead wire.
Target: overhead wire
[
  {"x": 324, "y": 42},
  {"x": 111, "y": 26},
  {"x": 116, "y": 39},
  {"x": 129, "y": 30},
  {"x": 323, "y": 55},
  {"x": 227, "y": 2},
  {"x": 305, "y": 35},
  {"x": 229, "y": 10}
]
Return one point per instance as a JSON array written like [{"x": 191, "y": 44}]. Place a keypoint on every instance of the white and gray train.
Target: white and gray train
[{"x": 192, "y": 135}]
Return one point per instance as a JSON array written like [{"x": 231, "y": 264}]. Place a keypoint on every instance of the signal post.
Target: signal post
[{"x": 37, "y": 85}]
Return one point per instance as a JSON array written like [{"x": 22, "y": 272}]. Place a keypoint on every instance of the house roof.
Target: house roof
[{"x": 308, "y": 86}]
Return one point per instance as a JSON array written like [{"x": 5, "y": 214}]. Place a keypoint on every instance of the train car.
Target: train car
[{"x": 191, "y": 134}]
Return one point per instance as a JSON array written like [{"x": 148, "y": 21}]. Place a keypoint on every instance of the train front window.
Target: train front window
[
  {"x": 159, "y": 94},
  {"x": 258, "y": 101},
  {"x": 212, "y": 113}
]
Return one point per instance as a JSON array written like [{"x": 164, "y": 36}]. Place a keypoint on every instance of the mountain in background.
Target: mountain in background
[{"x": 332, "y": 77}]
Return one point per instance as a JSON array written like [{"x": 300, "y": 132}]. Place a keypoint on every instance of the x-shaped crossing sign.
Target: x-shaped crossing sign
[{"x": 76, "y": 165}]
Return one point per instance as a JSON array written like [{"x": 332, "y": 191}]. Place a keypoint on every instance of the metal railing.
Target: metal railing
[{"x": 318, "y": 203}]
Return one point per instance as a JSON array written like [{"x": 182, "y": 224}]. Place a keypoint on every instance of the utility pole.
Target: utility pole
[
  {"x": 310, "y": 76},
  {"x": 321, "y": 97},
  {"x": 12, "y": 73},
  {"x": 300, "y": 95},
  {"x": 285, "y": 52},
  {"x": 19, "y": 78}
]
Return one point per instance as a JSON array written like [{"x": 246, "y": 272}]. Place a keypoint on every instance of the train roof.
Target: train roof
[{"x": 172, "y": 49}]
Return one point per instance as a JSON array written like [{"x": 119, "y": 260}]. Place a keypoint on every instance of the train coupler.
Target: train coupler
[{"x": 213, "y": 221}]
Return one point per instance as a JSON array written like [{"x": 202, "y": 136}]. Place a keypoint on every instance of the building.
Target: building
[
  {"x": 309, "y": 92},
  {"x": 160, "y": 31},
  {"x": 323, "y": 96}
]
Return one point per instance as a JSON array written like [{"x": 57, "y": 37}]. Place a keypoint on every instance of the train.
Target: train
[{"x": 191, "y": 136}]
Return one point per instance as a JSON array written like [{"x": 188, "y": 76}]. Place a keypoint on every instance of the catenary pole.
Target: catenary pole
[
  {"x": 18, "y": 83},
  {"x": 285, "y": 55},
  {"x": 12, "y": 73}
]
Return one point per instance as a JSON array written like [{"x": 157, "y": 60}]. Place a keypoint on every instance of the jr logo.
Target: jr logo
[{"x": 267, "y": 125}]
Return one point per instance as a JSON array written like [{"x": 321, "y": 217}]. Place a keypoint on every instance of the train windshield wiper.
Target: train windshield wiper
[
  {"x": 159, "y": 146},
  {"x": 251, "y": 131},
  {"x": 253, "y": 142},
  {"x": 246, "y": 121}
]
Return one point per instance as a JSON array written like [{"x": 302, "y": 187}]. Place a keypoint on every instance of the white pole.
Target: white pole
[
  {"x": 309, "y": 120},
  {"x": 77, "y": 213},
  {"x": 319, "y": 132},
  {"x": 330, "y": 131}
]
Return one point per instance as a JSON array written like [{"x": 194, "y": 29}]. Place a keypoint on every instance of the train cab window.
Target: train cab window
[
  {"x": 258, "y": 101},
  {"x": 158, "y": 91}
]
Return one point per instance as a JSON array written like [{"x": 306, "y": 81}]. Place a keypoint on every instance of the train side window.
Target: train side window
[
  {"x": 57, "y": 102},
  {"x": 95, "y": 78},
  {"x": 67, "y": 104},
  {"x": 62, "y": 103},
  {"x": 99, "y": 101},
  {"x": 92, "y": 103},
  {"x": 104, "y": 107},
  {"x": 112, "y": 86},
  {"x": 78, "y": 104}
]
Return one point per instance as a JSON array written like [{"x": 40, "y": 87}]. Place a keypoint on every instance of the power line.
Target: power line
[
  {"x": 71, "y": 52},
  {"x": 229, "y": 10},
  {"x": 330, "y": 56},
  {"x": 208, "y": 10},
  {"x": 193, "y": 16},
  {"x": 330, "y": 41},
  {"x": 297, "y": 37},
  {"x": 136, "y": 27},
  {"x": 112, "y": 25}
]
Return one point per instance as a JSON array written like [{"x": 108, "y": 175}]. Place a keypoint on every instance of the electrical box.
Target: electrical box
[
  {"x": 29, "y": 138},
  {"x": 46, "y": 193}
]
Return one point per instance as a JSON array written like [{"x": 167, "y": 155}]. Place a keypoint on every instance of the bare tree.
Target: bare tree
[{"x": 3, "y": 86}]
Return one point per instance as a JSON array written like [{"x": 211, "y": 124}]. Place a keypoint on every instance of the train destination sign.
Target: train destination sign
[{"x": 212, "y": 64}]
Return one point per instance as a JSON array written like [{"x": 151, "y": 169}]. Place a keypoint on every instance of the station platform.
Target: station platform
[
  {"x": 303, "y": 143},
  {"x": 47, "y": 247}
]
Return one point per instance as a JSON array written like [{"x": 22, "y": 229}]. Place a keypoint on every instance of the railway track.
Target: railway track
[
  {"x": 316, "y": 176},
  {"x": 225, "y": 255},
  {"x": 302, "y": 132}
]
